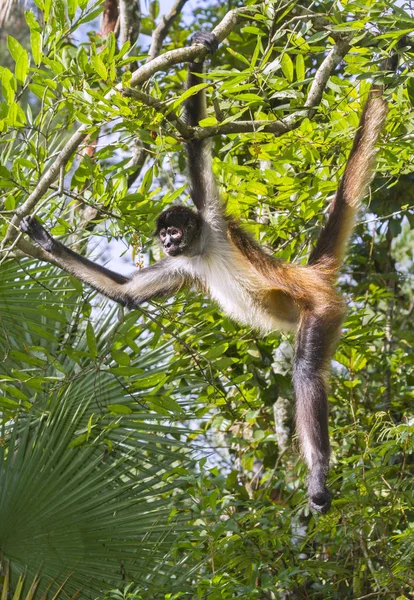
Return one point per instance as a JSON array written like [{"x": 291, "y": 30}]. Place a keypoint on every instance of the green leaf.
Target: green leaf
[
  {"x": 8, "y": 83},
  {"x": 15, "y": 48},
  {"x": 248, "y": 97},
  {"x": 239, "y": 56},
  {"x": 150, "y": 380},
  {"x": 31, "y": 21},
  {"x": 36, "y": 44},
  {"x": 188, "y": 93},
  {"x": 72, "y": 5},
  {"x": 300, "y": 67},
  {"x": 410, "y": 90},
  {"x": 8, "y": 404},
  {"x": 26, "y": 357},
  {"x": 99, "y": 67},
  {"x": 287, "y": 67},
  {"x": 47, "y": 7},
  {"x": 146, "y": 181},
  {"x": 111, "y": 45},
  {"x": 154, "y": 9},
  {"x": 91, "y": 340},
  {"x": 121, "y": 357},
  {"x": 16, "y": 116},
  {"x": 394, "y": 34},
  {"x": 59, "y": 12},
  {"x": 167, "y": 403},
  {"x": 90, "y": 16},
  {"x": 78, "y": 441},
  {"x": 317, "y": 37},
  {"x": 4, "y": 172},
  {"x": 41, "y": 92},
  {"x": 120, "y": 409},
  {"x": 216, "y": 350},
  {"x": 21, "y": 58},
  {"x": 22, "y": 66}
]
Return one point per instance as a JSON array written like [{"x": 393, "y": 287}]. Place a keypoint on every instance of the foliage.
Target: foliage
[
  {"x": 140, "y": 449},
  {"x": 91, "y": 458}
]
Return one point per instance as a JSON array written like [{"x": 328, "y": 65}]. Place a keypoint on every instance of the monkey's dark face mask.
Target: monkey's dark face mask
[{"x": 178, "y": 229}]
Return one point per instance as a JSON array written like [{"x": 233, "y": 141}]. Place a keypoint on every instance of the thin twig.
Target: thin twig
[
  {"x": 137, "y": 160},
  {"x": 160, "y": 107},
  {"x": 163, "y": 28},
  {"x": 371, "y": 595}
]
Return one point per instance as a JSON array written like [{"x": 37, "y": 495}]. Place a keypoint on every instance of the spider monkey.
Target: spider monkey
[{"x": 208, "y": 247}]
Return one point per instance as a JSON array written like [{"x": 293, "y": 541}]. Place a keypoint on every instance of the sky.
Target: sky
[{"x": 165, "y": 5}]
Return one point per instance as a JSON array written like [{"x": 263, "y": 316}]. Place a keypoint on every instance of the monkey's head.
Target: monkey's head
[{"x": 178, "y": 228}]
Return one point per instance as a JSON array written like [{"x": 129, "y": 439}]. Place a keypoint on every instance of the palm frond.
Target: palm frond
[{"x": 95, "y": 517}]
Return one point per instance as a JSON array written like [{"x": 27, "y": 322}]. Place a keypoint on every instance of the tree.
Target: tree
[{"x": 119, "y": 406}]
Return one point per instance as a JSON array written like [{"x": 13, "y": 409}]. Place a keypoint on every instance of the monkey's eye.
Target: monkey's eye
[
  {"x": 174, "y": 232},
  {"x": 162, "y": 234}
]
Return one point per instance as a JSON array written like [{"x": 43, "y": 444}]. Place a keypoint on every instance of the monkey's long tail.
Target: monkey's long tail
[{"x": 331, "y": 244}]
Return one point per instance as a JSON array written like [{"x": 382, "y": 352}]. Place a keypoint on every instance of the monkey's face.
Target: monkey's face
[
  {"x": 178, "y": 228},
  {"x": 171, "y": 238}
]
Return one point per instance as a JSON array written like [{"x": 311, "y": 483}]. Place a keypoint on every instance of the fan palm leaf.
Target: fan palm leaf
[
  {"x": 88, "y": 472},
  {"x": 79, "y": 512}
]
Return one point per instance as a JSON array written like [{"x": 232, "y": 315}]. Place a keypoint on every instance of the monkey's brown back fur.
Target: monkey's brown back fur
[{"x": 296, "y": 288}]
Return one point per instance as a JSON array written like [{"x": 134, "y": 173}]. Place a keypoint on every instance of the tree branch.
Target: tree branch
[
  {"x": 129, "y": 21},
  {"x": 190, "y": 53},
  {"x": 292, "y": 121},
  {"x": 278, "y": 128},
  {"x": 326, "y": 69},
  {"x": 109, "y": 17},
  {"x": 163, "y": 28},
  {"x": 139, "y": 155},
  {"x": 164, "y": 62},
  {"x": 142, "y": 74}
]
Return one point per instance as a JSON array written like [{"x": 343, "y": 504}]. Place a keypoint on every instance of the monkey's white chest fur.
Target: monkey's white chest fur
[{"x": 228, "y": 282}]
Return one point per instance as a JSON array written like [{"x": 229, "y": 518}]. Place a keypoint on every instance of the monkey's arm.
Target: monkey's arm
[
  {"x": 159, "y": 279},
  {"x": 203, "y": 185}
]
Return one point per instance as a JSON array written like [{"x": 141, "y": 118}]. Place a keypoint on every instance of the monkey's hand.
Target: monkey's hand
[
  {"x": 34, "y": 229},
  {"x": 207, "y": 39}
]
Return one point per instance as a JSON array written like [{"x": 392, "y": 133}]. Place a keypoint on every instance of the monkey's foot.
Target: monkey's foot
[
  {"x": 206, "y": 38},
  {"x": 321, "y": 502},
  {"x": 34, "y": 229}
]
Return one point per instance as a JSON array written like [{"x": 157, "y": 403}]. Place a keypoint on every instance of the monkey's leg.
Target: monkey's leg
[{"x": 314, "y": 348}]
